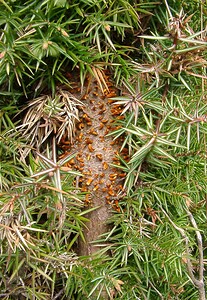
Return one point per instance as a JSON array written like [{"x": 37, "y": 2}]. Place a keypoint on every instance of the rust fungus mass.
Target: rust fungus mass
[{"x": 96, "y": 151}]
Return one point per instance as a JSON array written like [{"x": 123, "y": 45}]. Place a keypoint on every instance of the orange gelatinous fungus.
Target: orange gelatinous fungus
[
  {"x": 96, "y": 187},
  {"x": 90, "y": 148},
  {"x": 87, "y": 199},
  {"x": 92, "y": 131},
  {"x": 80, "y": 126},
  {"x": 105, "y": 165},
  {"x": 89, "y": 180},
  {"x": 101, "y": 125},
  {"x": 88, "y": 141},
  {"x": 99, "y": 156},
  {"x": 113, "y": 176}
]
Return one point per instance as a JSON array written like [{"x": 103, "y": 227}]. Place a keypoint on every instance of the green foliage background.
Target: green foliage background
[{"x": 157, "y": 55}]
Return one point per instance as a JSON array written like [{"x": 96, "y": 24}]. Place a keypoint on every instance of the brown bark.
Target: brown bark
[
  {"x": 95, "y": 152},
  {"x": 95, "y": 228}
]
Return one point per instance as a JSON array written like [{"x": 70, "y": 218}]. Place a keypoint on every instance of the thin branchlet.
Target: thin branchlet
[{"x": 199, "y": 283}]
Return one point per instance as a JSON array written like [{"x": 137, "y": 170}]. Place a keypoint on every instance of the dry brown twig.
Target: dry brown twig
[{"x": 198, "y": 282}]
